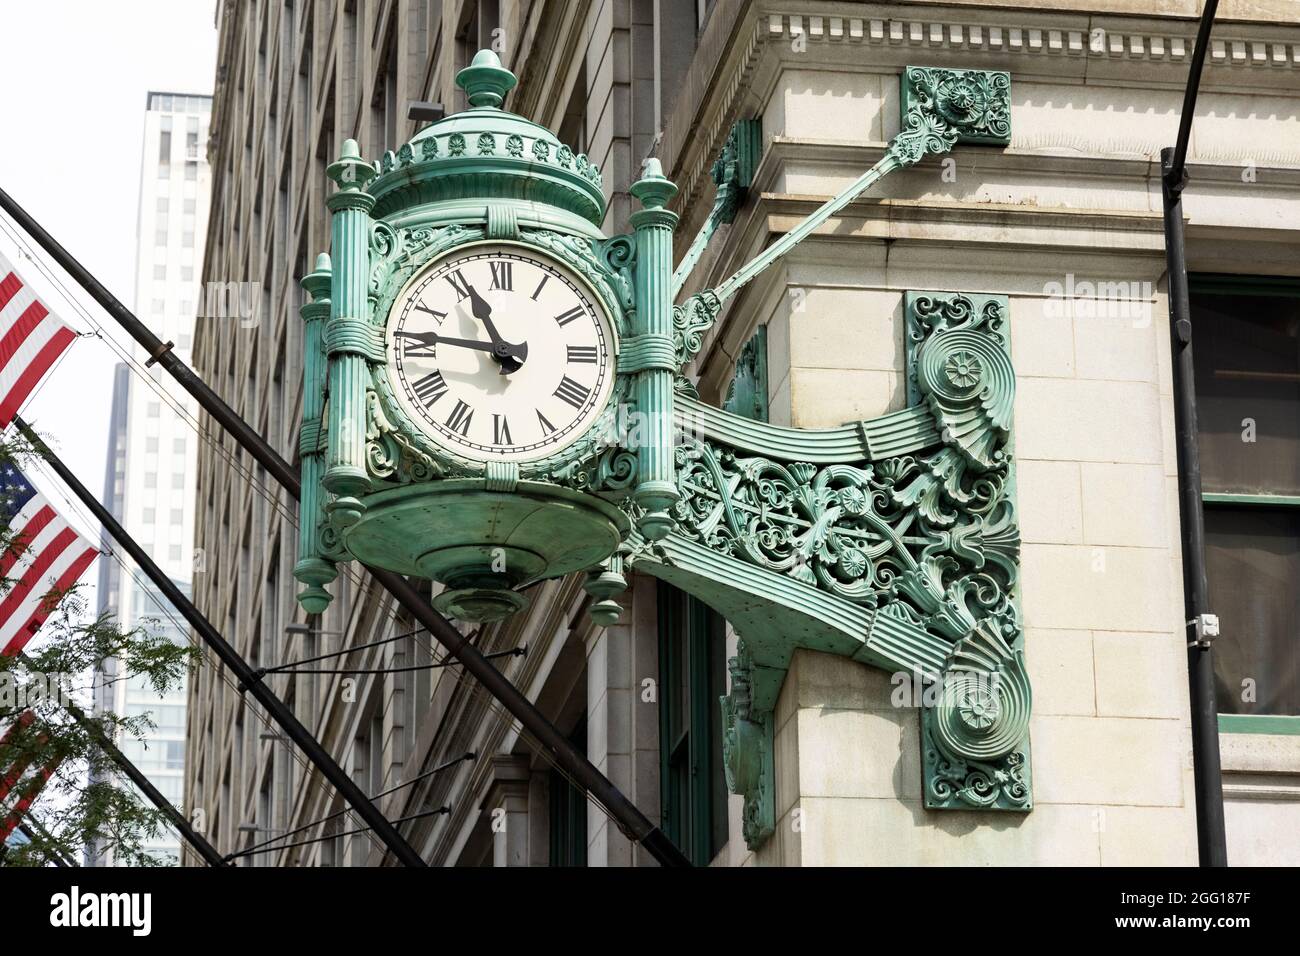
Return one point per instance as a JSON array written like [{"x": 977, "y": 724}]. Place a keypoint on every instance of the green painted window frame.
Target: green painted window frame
[
  {"x": 1273, "y": 287},
  {"x": 692, "y": 783}
]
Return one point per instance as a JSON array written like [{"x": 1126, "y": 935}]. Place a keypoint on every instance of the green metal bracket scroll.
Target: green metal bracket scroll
[
  {"x": 891, "y": 541},
  {"x": 941, "y": 108},
  {"x": 732, "y": 173}
]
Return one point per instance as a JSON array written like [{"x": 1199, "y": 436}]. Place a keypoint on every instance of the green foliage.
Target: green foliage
[{"x": 86, "y": 798}]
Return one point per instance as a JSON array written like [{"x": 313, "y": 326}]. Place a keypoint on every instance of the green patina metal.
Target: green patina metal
[
  {"x": 892, "y": 541},
  {"x": 732, "y": 173}
]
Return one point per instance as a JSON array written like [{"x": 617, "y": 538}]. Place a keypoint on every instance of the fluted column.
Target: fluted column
[
  {"x": 656, "y": 490},
  {"x": 348, "y": 335},
  {"x": 312, "y": 569}
]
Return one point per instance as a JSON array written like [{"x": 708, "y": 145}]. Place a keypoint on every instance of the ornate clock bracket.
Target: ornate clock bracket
[
  {"x": 940, "y": 109},
  {"x": 892, "y": 541}
]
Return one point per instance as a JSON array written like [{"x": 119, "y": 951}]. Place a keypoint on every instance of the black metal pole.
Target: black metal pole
[
  {"x": 281, "y": 714},
  {"x": 51, "y": 854},
  {"x": 630, "y": 819},
  {"x": 154, "y": 796},
  {"x": 1207, "y": 770}
]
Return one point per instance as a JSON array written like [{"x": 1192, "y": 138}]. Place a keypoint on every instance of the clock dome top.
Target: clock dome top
[{"x": 485, "y": 154}]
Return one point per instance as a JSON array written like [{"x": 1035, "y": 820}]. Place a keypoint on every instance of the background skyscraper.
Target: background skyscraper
[{"x": 150, "y": 472}]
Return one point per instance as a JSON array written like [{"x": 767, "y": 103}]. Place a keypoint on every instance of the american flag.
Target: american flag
[
  {"x": 43, "y": 555},
  {"x": 31, "y": 341},
  {"x": 17, "y": 772}
]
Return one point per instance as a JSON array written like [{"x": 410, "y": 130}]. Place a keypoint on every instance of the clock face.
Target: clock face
[{"x": 500, "y": 353}]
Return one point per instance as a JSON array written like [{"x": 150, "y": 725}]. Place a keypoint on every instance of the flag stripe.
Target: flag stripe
[
  {"x": 34, "y": 372},
  {"x": 15, "y": 771},
  {"x": 49, "y": 559},
  {"x": 9, "y": 287},
  {"x": 21, "y": 544},
  {"x": 31, "y": 341},
  {"x": 66, "y": 580},
  {"x": 16, "y": 334},
  {"x": 30, "y": 793},
  {"x": 29, "y": 594},
  {"x": 14, "y": 633}
]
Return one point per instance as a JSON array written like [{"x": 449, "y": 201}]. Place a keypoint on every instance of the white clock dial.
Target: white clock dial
[{"x": 499, "y": 353}]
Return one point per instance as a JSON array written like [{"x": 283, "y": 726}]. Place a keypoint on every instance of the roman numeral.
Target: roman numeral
[
  {"x": 414, "y": 349},
  {"x": 547, "y": 427},
  {"x": 539, "y": 288},
  {"x": 567, "y": 317},
  {"x": 459, "y": 284},
  {"x": 582, "y": 353},
  {"x": 500, "y": 431},
  {"x": 571, "y": 392},
  {"x": 502, "y": 276},
  {"x": 430, "y": 388},
  {"x": 458, "y": 420},
  {"x": 437, "y": 316}
]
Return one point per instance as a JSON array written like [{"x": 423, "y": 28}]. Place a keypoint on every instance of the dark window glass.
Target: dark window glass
[
  {"x": 1247, "y": 356},
  {"x": 568, "y": 816},
  {"x": 1253, "y": 562},
  {"x": 692, "y": 662},
  {"x": 1247, "y": 353}
]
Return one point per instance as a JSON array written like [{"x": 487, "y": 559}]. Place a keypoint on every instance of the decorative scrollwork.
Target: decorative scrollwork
[
  {"x": 929, "y": 540},
  {"x": 613, "y": 285},
  {"x": 618, "y": 254},
  {"x": 691, "y": 321},
  {"x": 747, "y": 751},
  {"x": 942, "y": 108},
  {"x": 390, "y": 455}
]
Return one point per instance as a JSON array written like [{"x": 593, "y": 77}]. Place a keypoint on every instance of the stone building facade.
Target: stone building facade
[{"x": 1066, "y": 223}]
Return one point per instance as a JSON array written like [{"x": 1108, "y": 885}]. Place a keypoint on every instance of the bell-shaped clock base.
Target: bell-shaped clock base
[{"x": 484, "y": 544}]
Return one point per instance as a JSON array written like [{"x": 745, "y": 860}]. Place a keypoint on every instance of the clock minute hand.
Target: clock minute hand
[{"x": 432, "y": 338}]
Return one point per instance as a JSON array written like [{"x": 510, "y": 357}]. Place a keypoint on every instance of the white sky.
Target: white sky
[{"x": 73, "y": 82}]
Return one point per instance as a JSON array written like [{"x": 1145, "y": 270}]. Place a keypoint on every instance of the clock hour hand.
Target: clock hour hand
[{"x": 510, "y": 356}]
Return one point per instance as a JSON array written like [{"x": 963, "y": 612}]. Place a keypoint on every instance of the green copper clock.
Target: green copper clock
[
  {"x": 475, "y": 344},
  {"x": 498, "y": 352}
]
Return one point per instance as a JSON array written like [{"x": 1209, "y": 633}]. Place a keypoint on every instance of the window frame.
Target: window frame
[{"x": 1208, "y": 283}]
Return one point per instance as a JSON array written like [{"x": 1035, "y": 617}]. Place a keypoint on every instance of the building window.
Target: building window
[
  {"x": 1247, "y": 354},
  {"x": 568, "y": 812},
  {"x": 692, "y": 677}
]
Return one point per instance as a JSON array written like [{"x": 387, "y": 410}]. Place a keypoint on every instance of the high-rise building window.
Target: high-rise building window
[
  {"x": 160, "y": 271},
  {"x": 151, "y": 479},
  {"x": 154, "y": 409},
  {"x": 177, "y": 516},
  {"x": 1247, "y": 354},
  {"x": 150, "y": 515},
  {"x": 151, "y": 444},
  {"x": 164, "y": 141},
  {"x": 692, "y": 676}
]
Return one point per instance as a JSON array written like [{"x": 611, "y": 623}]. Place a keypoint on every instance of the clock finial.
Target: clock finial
[{"x": 485, "y": 81}]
